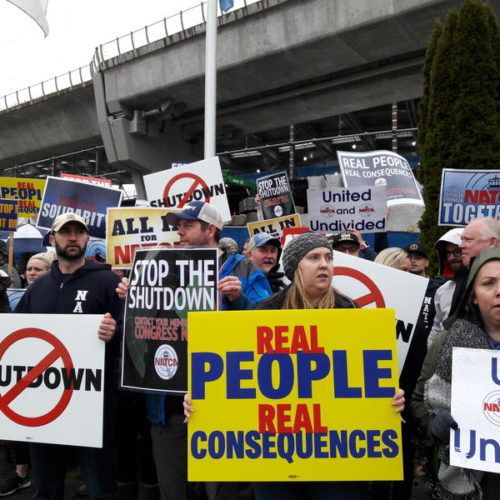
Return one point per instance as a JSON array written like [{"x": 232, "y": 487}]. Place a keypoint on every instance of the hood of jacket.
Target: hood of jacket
[
  {"x": 451, "y": 236},
  {"x": 88, "y": 267},
  {"x": 477, "y": 263}
]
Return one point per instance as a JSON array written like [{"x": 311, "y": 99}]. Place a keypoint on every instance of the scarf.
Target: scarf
[{"x": 455, "y": 483}]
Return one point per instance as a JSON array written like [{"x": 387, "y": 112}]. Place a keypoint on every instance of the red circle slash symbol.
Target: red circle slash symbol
[
  {"x": 58, "y": 351},
  {"x": 373, "y": 295},
  {"x": 197, "y": 181}
]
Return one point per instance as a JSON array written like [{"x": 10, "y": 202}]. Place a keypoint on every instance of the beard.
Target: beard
[{"x": 62, "y": 252}]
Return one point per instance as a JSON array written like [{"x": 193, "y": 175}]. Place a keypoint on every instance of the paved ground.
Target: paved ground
[{"x": 421, "y": 490}]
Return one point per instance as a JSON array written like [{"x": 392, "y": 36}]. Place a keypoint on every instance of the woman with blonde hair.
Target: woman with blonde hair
[
  {"x": 394, "y": 257},
  {"x": 38, "y": 265},
  {"x": 308, "y": 263}
]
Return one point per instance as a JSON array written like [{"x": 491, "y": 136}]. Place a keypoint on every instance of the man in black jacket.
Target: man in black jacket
[{"x": 75, "y": 285}]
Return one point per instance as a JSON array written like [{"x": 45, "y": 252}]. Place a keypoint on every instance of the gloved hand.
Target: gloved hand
[{"x": 441, "y": 425}]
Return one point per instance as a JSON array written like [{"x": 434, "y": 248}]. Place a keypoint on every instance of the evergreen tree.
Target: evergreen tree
[{"x": 460, "y": 110}]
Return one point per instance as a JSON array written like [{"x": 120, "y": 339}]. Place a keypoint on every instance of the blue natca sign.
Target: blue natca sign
[
  {"x": 467, "y": 195},
  {"x": 8, "y": 215}
]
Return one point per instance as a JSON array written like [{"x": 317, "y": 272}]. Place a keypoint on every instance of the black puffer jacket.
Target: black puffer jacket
[{"x": 4, "y": 300}]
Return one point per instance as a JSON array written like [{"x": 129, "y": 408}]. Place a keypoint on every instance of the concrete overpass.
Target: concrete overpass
[{"x": 280, "y": 62}]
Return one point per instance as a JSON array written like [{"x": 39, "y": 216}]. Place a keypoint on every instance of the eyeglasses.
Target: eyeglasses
[{"x": 457, "y": 252}]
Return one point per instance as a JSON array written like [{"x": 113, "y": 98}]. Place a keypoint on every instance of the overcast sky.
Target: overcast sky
[{"x": 76, "y": 28}]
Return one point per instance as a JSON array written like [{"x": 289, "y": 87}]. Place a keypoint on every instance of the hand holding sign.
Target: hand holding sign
[{"x": 107, "y": 328}]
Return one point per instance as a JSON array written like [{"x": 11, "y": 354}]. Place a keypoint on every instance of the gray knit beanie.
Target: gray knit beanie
[{"x": 298, "y": 247}]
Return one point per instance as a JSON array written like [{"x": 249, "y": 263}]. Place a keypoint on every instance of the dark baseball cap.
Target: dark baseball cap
[
  {"x": 344, "y": 237},
  {"x": 416, "y": 248}
]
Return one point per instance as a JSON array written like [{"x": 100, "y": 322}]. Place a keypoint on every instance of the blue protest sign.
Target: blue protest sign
[
  {"x": 467, "y": 195},
  {"x": 89, "y": 201},
  {"x": 8, "y": 215}
]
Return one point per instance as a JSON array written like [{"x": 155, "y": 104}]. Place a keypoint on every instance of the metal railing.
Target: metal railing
[{"x": 168, "y": 26}]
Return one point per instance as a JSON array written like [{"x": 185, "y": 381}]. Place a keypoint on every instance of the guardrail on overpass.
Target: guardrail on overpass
[{"x": 168, "y": 26}]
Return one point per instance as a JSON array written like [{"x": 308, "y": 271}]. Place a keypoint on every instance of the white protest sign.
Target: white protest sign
[
  {"x": 51, "y": 379},
  {"x": 336, "y": 210},
  {"x": 200, "y": 181},
  {"x": 475, "y": 405},
  {"x": 381, "y": 168},
  {"x": 378, "y": 286}
]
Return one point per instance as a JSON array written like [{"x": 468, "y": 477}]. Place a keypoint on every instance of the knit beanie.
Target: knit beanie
[{"x": 300, "y": 246}]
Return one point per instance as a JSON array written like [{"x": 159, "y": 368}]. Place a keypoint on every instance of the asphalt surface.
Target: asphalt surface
[{"x": 421, "y": 489}]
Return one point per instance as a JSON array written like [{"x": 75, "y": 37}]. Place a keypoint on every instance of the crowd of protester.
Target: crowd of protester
[{"x": 144, "y": 454}]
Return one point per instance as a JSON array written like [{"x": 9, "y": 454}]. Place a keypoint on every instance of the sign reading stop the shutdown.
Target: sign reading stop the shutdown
[
  {"x": 51, "y": 379},
  {"x": 200, "y": 181}
]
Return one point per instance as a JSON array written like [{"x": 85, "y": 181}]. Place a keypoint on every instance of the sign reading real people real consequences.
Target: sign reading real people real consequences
[{"x": 293, "y": 396}]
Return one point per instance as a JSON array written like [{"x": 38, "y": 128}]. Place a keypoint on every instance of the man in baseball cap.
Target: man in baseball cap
[
  {"x": 419, "y": 259},
  {"x": 66, "y": 218},
  {"x": 345, "y": 242},
  {"x": 264, "y": 251}
]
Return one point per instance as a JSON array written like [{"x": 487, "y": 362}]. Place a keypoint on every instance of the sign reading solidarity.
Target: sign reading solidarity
[
  {"x": 86, "y": 200},
  {"x": 51, "y": 373},
  {"x": 376, "y": 286},
  {"x": 309, "y": 389},
  {"x": 200, "y": 181}
]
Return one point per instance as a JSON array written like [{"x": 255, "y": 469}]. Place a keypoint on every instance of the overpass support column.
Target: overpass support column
[{"x": 140, "y": 141}]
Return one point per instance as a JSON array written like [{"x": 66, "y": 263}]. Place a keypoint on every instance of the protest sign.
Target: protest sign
[
  {"x": 8, "y": 215},
  {"x": 164, "y": 286},
  {"x": 276, "y": 195},
  {"x": 309, "y": 391},
  {"x": 381, "y": 168},
  {"x": 467, "y": 195},
  {"x": 52, "y": 379},
  {"x": 377, "y": 286},
  {"x": 27, "y": 191},
  {"x": 129, "y": 229},
  {"x": 475, "y": 405},
  {"x": 336, "y": 210},
  {"x": 275, "y": 227},
  {"x": 88, "y": 201},
  {"x": 96, "y": 181},
  {"x": 200, "y": 181}
]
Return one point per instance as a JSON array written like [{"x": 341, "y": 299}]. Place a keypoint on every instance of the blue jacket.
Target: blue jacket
[{"x": 255, "y": 288}]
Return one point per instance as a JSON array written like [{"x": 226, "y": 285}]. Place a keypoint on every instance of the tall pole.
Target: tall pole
[{"x": 210, "y": 78}]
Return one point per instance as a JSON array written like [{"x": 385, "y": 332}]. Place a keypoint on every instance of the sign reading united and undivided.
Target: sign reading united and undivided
[
  {"x": 51, "y": 374},
  {"x": 164, "y": 286},
  {"x": 293, "y": 396}
]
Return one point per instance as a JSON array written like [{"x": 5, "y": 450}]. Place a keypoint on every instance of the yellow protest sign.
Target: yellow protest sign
[
  {"x": 274, "y": 227},
  {"x": 293, "y": 396},
  {"x": 28, "y": 191},
  {"x": 129, "y": 229}
]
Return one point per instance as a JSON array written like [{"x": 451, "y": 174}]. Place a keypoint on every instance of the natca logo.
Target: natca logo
[
  {"x": 327, "y": 210},
  {"x": 491, "y": 407},
  {"x": 366, "y": 210},
  {"x": 166, "y": 362}
]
